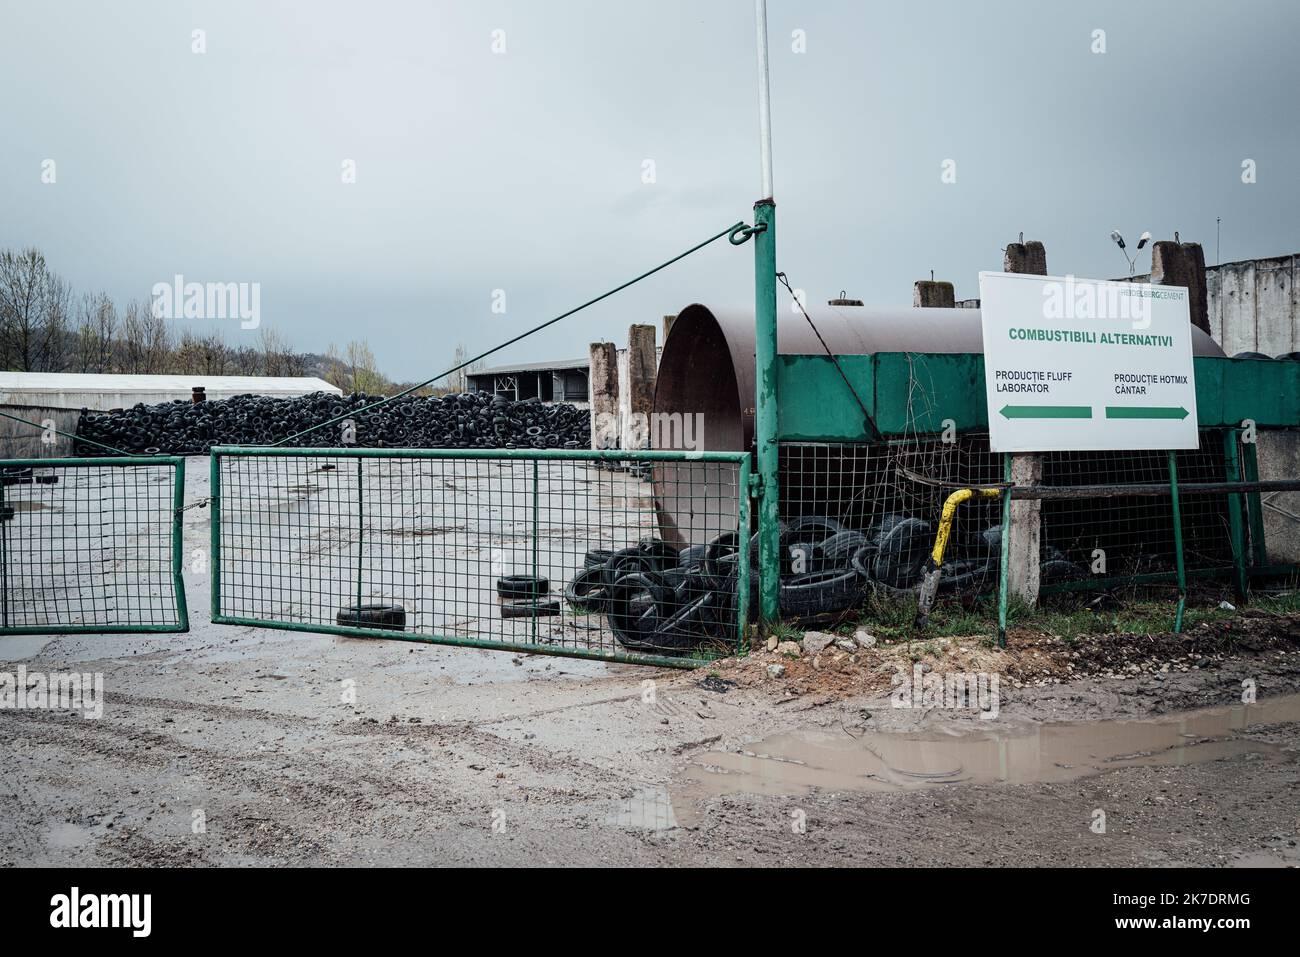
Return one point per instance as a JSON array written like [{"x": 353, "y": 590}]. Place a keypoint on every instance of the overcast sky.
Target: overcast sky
[{"x": 523, "y": 170}]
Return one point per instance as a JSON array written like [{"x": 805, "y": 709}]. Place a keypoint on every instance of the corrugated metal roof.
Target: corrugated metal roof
[{"x": 556, "y": 365}]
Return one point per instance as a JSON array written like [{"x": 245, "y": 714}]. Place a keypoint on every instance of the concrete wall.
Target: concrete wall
[
  {"x": 603, "y": 386},
  {"x": 626, "y": 426},
  {"x": 21, "y": 441},
  {"x": 1254, "y": 306},
  {"x": 104, "y": 393},
  {"x": 1279, "y": 458}
]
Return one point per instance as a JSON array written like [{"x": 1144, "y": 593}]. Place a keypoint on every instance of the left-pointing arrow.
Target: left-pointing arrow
[{"x": 1046, "y": 412}]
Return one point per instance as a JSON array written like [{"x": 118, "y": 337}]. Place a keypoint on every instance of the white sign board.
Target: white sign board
[{"x": 1080, "y": 364}]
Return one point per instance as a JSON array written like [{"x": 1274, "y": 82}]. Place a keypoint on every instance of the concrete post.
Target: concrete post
[
  {"x": 1026, "y": 467},
  {"x": 1183, "y": 264},
  {"x": 602, "y": 381},
  {"x": 1029, "y": 258},
  {"x": 928, "y": 293},
  {"x": 1026, "y": 529},
  {"x": 668, "y": 325},
  {"x": 641, "y": 370}
]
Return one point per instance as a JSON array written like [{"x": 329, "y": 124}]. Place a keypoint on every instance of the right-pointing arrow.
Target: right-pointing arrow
[{"x": 1146, "y": 412}]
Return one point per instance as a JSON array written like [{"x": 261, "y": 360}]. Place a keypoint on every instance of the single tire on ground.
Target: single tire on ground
[
  {"x": 530, "y": 608},
  {"x": 587, "y": 590},
  {"x": 820, "y": 593},
  {"x": 838, "y": 550},
  {"x": 597, "y": 557},
  {"x": 638, "y": 604},
  {"x": 377, "y": 615},
  {"x": 903, "y": 551},
  {"x": 522, "y": 586}
]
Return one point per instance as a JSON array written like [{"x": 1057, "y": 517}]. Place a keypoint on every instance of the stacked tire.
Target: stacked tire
[
  {"x": 662, "y": 600},
  {"x": 467, "y": 420}
]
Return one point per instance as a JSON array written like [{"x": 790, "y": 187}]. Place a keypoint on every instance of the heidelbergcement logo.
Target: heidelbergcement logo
[
  {"x": 1107, "y": 300},
  {"x": 103, "y": 910},
  {"x": 60, "y": 691},
  {"x": 179, "y": 299}
]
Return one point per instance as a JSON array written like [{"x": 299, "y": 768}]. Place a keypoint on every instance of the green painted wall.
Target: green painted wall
[{"x": 915, "y": 392}]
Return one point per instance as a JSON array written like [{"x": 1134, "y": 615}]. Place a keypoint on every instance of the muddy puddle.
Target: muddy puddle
[{"x": 1008, "y": 753}]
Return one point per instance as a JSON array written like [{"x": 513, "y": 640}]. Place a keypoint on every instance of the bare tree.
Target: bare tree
[
  {"x": 34, "y": 307},
  {"x": 246, "y": 360},
  {"x": 335, "y": 372},
  {"x": 84, "y": 351},
  {"x": 187, "y": 358},
  {"x": 42, "y": 328},
  {"x": 57, "y": 324},
  {"x": 105, "y": 332},
  {"x": 277, "y": 357},
  {"x": 158, "y": 340},
  {"x": 93, "y": 340},
  {"x": 362, "y": 373},
  {"x": 132, "y": 350},
  {"x": 214, "y": 355}
]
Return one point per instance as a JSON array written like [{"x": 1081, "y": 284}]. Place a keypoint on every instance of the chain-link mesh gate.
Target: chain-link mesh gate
[
  {"x": 566, "y": 552},
  {"x": 91, "y": 545},
  {"x": 877, "y": 507}
]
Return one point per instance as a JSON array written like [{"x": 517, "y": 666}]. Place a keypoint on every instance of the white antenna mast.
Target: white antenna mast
[{"x": 764, "y": 100}]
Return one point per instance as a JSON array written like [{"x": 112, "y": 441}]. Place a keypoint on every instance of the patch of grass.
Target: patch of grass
[
  {"x": 889, "y": 619},
  {"x": 783, "y": 631},
  {"x": 1284, "y": 603},
  {"x": 1065, "y": 616}
]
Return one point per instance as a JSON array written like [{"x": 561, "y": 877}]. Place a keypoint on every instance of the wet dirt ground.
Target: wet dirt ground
[{"x": 237, "y": 746}]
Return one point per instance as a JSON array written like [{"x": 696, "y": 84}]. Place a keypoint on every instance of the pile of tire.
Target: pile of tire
[
  {"x": 461, "y": 421},
  {"x": 659, "y": 599},
  {"x": 665, "y": 600}
]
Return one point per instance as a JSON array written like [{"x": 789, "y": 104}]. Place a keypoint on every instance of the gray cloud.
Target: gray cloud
[{"x": 523, "y": 171}]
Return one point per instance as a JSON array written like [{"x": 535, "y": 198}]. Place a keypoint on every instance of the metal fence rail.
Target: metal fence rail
[
  {"x": 91, "y": 545},
  {"x": 874, "y": 487},
  {"x": 543, "y": 551},
  {"x": 885, "y": 500}
]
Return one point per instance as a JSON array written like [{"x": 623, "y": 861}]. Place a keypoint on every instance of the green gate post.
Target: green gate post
[
  {"x": 743, "y": 475},
  {"x": 4, "y": 563},
  {"x": 765, "y": 410},
  {"x": 1236, "y": 527},
  {"x": 1004, "y": 560},
  {"x": 1254, "y": 504},
  {"x": 361, "y": 535},
  {"x": 536, "y": 542},
  {"x": 1178, "y": 541},
  {"x": 214, "y": 493},
  {"x": 178, "y": 545}
]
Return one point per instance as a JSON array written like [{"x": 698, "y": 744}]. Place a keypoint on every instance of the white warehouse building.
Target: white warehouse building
[{"x": 59, "y": 397}]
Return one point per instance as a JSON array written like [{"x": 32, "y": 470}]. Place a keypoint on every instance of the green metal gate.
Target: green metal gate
[
  {"x": 562, "y": 552},
  {"x": 91, "y": 545}
]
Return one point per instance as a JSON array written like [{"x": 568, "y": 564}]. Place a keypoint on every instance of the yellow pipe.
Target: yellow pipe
[
  {"x": 932, "y": 574},
  {"x": 950, "y": 513}
]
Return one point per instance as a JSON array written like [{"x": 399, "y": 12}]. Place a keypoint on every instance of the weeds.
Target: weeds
[{"x": 1068, "y": 617}]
